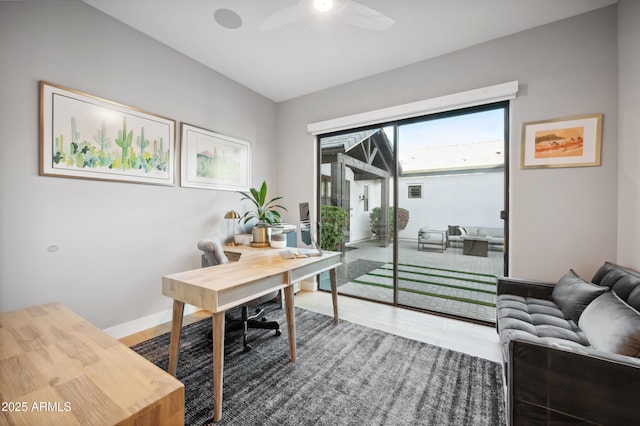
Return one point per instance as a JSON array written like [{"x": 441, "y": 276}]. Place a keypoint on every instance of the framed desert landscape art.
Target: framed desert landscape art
[
  {"x": 84, "y": 136},
  {"x": 214, "y": 161},
  {"x": 562, "y": 142}
]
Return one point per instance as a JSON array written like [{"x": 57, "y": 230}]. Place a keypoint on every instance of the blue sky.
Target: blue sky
[{"x": 476, "y": 127}]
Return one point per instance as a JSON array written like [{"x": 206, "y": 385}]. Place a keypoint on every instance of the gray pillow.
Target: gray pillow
[
  {"x": 572, "y": 294},
  {"x": 611, "y": 325},
  {"x": 454, "y": 230}
]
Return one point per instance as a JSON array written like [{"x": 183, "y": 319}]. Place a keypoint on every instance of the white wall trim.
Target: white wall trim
[
  {"x": 135, "y": 326},
  {"x": 484, "y": 95}
]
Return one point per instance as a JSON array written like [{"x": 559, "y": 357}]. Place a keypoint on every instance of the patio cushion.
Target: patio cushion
[{"x": 454, "y": 230}]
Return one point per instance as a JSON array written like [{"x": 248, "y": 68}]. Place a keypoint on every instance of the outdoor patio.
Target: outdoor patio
[{"x": 447, "y": 282}]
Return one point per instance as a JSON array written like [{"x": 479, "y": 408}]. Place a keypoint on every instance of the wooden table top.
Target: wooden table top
[
  {"x": 258, "y": 271},
  {"x": 57, "y": 368}
]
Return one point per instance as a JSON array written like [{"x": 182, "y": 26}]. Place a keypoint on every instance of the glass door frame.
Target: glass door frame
[{"x": 504, "y": 214}]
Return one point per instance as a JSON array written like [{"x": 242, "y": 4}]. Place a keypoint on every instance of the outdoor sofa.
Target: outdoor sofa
[
  {"x": 494, "y": 236},
  {"x": 570, "y": 349}
]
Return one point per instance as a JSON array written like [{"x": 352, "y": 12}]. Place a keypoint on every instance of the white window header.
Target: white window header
[{"x": 482, "y": 96}]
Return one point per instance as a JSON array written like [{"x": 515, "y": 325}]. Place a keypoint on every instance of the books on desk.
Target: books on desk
[
  {"x": 310, "y": 252},
  {"x": 298, "y": 253},
  {"x": 283, "y": 227}
]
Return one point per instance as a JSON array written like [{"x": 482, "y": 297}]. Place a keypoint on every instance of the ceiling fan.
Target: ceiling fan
[{"x": 349, "y": 11}]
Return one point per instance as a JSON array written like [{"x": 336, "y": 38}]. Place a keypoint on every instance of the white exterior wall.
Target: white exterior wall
[
  {"x": 472, "y": 200},
  {"x": 465, "y": 199}
]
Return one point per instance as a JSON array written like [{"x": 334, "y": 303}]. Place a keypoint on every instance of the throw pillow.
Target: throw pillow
[
  {"x": 611, "y": 325},
  {"x": 572, "y": 294},
  {"x": 463, "y": 231},
  {"x": 454, "y": 230}
]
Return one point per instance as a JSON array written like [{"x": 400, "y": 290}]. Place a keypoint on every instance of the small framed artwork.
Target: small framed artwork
[
  {"x": 83, "y": 136},
  {"x": 214, "y": 161},
  {"x": 562, "y": 142}
]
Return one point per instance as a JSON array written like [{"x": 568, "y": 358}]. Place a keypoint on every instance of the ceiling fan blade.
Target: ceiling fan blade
[
  {"x": 283, "y": 17},
  {"x": 357, "y": 14}
]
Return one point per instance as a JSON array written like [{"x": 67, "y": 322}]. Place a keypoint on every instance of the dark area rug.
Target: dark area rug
[{"x": 346, "y": 374}]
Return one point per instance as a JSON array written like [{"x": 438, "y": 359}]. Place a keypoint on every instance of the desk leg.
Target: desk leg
[
  {"x": 176, "y": 327},
  {"x": 218, "y": 363},
  {"x": 334, "y": 293},
  {"x": 291, "y": 320}
]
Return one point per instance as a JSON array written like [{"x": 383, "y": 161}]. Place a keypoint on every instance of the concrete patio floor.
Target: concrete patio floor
[{"x": 423, "y": 284}]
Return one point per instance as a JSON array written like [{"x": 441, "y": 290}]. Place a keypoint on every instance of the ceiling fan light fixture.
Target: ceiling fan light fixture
[{"x": 323, "y": 5}]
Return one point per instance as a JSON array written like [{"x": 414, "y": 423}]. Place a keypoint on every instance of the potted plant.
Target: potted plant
[
  {"x": 267, "y": 213},
  {"x": 333, "y": 221},
  {"x": 381, "y": 229}
]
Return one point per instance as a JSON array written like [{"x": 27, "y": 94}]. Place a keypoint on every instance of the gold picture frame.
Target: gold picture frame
[
  {"x": 86, "y": 137},
  {"x": 211, "y": 160},
  {"x": 562, "y": 142}
]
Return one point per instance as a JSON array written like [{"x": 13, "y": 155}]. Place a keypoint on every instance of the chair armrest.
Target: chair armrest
[
  {"x": 557, "y": 383},
  {"x": 525, "y": 288}
]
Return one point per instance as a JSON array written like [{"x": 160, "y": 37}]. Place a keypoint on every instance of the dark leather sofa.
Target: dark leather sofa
[{"x": 571, "y": 349}]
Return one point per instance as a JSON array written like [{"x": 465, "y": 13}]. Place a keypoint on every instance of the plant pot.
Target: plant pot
[
  {"x": 278, "y": 240},
  {"x": 261, "y": 235}
]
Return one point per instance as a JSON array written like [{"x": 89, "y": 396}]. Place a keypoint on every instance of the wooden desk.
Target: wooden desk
[
  {"x": 218, "y": 288},
  {"x": 57, "y": 368}
]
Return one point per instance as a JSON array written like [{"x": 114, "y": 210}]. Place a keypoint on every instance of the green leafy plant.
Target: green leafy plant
[
  {"x": 267, "y": 212},
  {"x": 333, "y": 220},
  {"x": 375, "y": 220}
]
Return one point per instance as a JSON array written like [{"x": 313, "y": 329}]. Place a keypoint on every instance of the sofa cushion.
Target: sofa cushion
[
  {"x": 623, "y": 281},
  {"x": 634, "y": 298},
  {"x": 611, "y": 325},
  {"x": 573, "y": 294},
  {"x": 527, "y": 316}
]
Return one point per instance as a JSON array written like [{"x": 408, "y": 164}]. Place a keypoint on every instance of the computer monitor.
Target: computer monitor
[
  {"x": 305, "y": 223},
  {"x": 306, "y": 234}
]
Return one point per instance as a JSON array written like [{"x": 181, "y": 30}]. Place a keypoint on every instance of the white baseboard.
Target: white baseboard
[{"x": 135, "y": 326}]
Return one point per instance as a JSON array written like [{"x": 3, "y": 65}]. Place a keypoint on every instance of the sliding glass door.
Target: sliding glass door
[
  {"x": 357, "y": 175},
  {"x": 423, "y": 200}
]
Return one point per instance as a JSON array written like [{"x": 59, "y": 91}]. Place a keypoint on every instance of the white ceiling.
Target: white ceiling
[{"x": 317, "y": 52}]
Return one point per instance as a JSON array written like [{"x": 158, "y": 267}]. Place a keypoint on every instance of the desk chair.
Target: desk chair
[{"x": 213, "y": 254}]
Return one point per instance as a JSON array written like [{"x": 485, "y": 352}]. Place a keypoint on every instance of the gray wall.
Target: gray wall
[
  {"x": 560, "y": 219},
  {"x": 115, "y": 240},
  {"x": 629, "y": 133}
]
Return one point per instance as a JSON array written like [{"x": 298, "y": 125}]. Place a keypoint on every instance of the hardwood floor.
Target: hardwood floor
[
  {"x": 147, "y": 334},
  {"x": 474, "y": 339}
]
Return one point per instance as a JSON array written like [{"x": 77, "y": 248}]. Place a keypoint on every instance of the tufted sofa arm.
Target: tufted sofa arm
[
  {"x": 543, "y": 379},
  {"x": 525, "y": 288}
]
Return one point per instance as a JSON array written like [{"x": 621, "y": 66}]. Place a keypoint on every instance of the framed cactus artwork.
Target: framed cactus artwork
[
  {"x": 83, "y": 136},
  {"x": 214, "y": 161}
]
